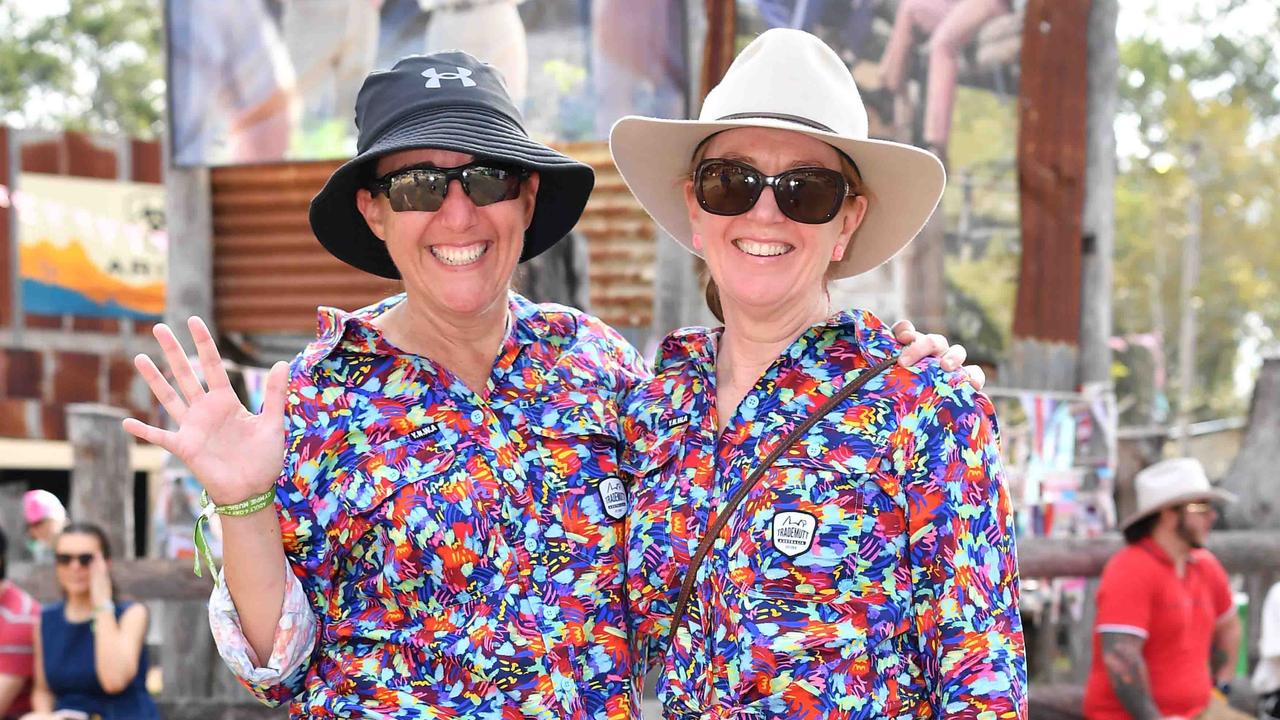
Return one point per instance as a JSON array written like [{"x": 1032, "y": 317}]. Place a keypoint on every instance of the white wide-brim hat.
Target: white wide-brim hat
[
  {"x": 789, "y": 80},
  {"x": 1172, "y": 482}
]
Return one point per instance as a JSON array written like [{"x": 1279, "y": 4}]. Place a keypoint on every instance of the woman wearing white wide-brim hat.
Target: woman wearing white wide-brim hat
[{"x": 859, "y": 567}]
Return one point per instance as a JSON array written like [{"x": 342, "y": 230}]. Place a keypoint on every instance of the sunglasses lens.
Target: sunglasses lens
[
  {"x": 488, "y": 185},
  {"x": 419, "y": 190},
  {"x": 811, "y": 195},
  {"x": 727, "y": 188},
  {"x": 82, "y": 559}
]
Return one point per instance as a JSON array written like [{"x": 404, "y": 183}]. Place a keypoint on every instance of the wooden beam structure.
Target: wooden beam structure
[{"x": 1239, "y": 551}]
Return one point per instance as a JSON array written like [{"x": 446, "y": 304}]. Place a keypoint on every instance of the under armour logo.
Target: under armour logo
[{"x": 434, "y": 77}]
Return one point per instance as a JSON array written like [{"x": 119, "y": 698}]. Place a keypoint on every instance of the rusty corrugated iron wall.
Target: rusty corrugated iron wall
[
  {"x": 270, "y": 273},
  {"x": 620, "y": 243},
  {"x": 1051, "y": 168}
]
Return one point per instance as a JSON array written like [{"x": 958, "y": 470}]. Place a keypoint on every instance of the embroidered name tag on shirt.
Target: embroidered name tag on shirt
[
  {"x": 670, "y": 423},
  {"x": 613, "y": 497},
  {"x": 793, "y": 532},
  {"x": 428, "y": 429}
]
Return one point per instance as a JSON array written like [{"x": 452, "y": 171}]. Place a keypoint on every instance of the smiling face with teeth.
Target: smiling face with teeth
[
  {"x": 763, "y": 262},
  {"x": 460, "y": 258}
]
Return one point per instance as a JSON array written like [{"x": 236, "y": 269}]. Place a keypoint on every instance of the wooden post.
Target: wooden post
[
  {"x": 101, "y": 477},
  {"x": 184, "y": 625},
  {"x": 1097, "y": 247},
  {"x": 1098, "y": 221},
  {"x": 1253, "y": 477},
  {"x": 1051, "y": 174},
  {"x": 926, "y": 299},
  {"x": 189, "y": 214},
  {"x": 718, "y": 49},
  {"x": 13, "y": 522}
]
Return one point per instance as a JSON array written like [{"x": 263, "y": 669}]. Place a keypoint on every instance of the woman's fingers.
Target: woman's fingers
[
  {"x": 921, "y": 347},
  {"x": 183, "y": 374},
  {"x": 215, "y": 375},
  {"x": 904, "y": 332},
  {"x": 161, "y": 388},
  {"x": 954, "y": 357},
  {"x": 977, "y": 376},
  {"x": 276, "y": 391},
  {"x": 151, "y": 434}
]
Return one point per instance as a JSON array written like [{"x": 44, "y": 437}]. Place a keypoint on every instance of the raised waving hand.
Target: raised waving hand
[{"x": 233, "y": 452}]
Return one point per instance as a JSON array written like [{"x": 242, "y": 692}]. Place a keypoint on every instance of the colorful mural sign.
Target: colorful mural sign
[{"x": 90, "y": 247}]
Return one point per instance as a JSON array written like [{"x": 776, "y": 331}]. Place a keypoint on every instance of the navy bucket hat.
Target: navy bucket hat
[{"x": 449, "y": 101}]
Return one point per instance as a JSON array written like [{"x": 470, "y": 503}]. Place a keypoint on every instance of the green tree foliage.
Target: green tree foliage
[
  {"x": 97, "y": 67},
  {"x": 1205, "y": 119},
  {"x": 1198, "y": 78}
]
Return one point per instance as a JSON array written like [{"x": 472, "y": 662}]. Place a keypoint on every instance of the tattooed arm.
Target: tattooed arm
[
  {"x": 1122, "y": 654},
  {"x": 1226, "y": 648}
]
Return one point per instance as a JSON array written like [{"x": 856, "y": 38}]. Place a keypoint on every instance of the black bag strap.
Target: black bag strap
[{"x": 686, "y": 589}]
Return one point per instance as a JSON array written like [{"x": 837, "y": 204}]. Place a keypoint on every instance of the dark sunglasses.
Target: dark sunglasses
[
  {"x": 66, "y": 559},
  {"x": 423, "y": 189},
  {"x": 810, "y": 195}
]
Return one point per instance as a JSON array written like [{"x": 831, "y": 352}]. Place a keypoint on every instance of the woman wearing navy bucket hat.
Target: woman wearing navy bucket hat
[
  {"x": 816, "y": 530},
  {"x": 443, "y": 537}
]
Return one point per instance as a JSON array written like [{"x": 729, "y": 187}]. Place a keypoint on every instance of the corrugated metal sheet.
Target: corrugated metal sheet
[
  {"x": 620, "y": 242},
  {"x": 270, "y": 273},
  {"x": 1051, "y": 169}
]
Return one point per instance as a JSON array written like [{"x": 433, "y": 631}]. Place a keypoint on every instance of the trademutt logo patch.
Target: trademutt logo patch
[
  {"x": 613, "y": 496},
  {"x": 793, "y": 532}
]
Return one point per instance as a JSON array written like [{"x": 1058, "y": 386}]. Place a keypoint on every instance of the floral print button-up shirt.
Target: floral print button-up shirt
[
  {"x": 455, "y": 555},
  {"x": 870, "y": 573}
]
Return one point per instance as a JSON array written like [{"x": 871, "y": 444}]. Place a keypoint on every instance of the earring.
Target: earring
[
  {"x": 696, "y": 241},
  {"x": 837, "y": 254}
]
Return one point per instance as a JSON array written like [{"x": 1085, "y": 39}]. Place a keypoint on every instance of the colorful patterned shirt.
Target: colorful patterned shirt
[
  {"x": 870, "y": 573},
  {"x": 461, "y": 555}
]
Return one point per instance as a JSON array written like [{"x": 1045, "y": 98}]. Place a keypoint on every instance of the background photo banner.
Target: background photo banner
[
  {"x": 255, "y": 81},
  {"x": 91, "y": 247}
]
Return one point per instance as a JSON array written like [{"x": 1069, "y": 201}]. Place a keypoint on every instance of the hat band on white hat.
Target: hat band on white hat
[{"x": 778, "y": 116}]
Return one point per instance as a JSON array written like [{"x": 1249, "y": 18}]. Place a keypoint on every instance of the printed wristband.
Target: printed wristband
[{"x": 207, "y": 509}]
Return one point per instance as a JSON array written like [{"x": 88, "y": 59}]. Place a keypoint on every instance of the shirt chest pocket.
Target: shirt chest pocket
[
  {"x": 573, "y": 456},
  {"x": 419, "y": 521},
  {"x": 811, "y": 533}
]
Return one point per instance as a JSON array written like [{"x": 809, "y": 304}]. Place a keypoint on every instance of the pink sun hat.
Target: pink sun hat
[{"x": 38, "y": 505}]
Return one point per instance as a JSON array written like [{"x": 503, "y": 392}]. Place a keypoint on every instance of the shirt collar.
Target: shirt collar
[
  {"x": 339, "y": 330},
  {"x": 694, "y": 344},
  {"x": 1150, "y": 545}
]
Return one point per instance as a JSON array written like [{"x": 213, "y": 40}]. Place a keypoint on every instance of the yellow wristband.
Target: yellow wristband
[
  {"x": 248, "y": 506},
  {"x": 244, "y": 507}
]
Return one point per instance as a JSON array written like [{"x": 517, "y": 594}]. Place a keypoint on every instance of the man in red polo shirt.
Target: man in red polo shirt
[
  {"x": 18, "y": 613},
  {"x": 1167, "y": 630}
]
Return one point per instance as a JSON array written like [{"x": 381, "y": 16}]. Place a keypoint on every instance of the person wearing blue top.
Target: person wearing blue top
[{"x": 91, "y": 658}]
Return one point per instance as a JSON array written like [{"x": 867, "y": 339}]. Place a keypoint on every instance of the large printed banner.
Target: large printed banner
[
  {"x": 91, "y": 247},
  {"x": 254, "y": 81}
]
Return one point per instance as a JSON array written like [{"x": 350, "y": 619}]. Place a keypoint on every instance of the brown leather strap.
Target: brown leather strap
[{"x": 686, "y": 589}]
